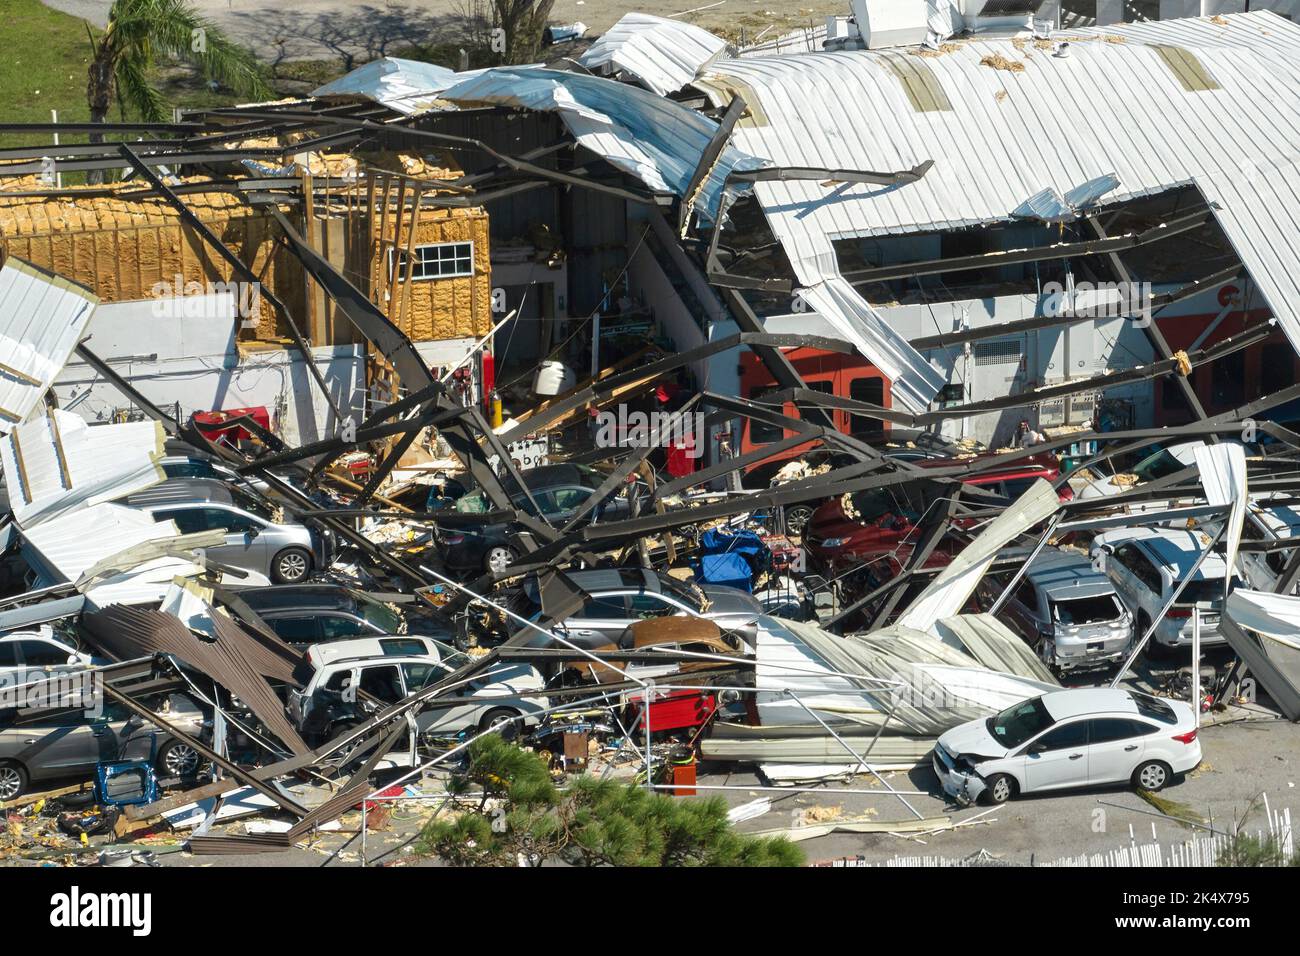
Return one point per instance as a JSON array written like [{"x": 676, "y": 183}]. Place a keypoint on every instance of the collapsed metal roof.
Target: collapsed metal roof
[
  {"x": 662, "y": 55},
  {"x": 658, "y": 141},
  {"x": 59, "y": 462},
  {"x": 1156, "y": 103},
  {"x": 405, "y": 86},
  {"x": 42, "y": 317}
]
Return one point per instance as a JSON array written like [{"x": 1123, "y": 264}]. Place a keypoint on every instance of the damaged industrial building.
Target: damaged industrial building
[{"x": 885, "y": 423}]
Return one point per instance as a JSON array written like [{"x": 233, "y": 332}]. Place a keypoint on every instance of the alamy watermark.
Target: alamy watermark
[
  {"x": 626, "y": 428},
  {"x": 34, "y": 688},
  {"x": 190, "y": 302},
  {"x": 1102, "y": 300}
]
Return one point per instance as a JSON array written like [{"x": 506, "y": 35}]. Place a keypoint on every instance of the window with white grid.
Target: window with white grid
[{"x": 437, "y": 260}]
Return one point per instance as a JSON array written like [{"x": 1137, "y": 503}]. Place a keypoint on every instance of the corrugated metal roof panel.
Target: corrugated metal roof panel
[
  {"x": 406, "y": 86},
  {"x": 1259, "y": 211},
  {"x": 42, "y": 317},
  {"x": 1114, "y": 104},
  {"x": 73, "y": 543},
  {"x": 58, "y": 462},
  {"x": 663, "y": 55}
]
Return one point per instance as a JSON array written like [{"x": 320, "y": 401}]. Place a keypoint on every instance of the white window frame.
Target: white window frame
[{"x": 421, "y": 274}]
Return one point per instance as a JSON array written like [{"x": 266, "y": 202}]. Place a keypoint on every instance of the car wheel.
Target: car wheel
[
  {"x": 291, "y": 566},
  {"x": 1000, "y": 788},
  {"x": 1153, "y": 775},
  {"x": 501, "y": 720},
  {"x": 178, "y": 759},
  {"x": 498, "y": 558},
  {"x": 13, "y": 781},
  {"x": 797, "y": 518}
]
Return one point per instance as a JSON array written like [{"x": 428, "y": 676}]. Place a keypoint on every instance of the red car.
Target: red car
[{"x": 863, "y": 525}]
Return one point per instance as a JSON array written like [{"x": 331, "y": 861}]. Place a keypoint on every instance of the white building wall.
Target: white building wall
[{"x": 183, "y": 351}]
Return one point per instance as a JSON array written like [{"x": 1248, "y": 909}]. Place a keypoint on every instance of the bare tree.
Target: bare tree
[{"x": 522, "y": 22}]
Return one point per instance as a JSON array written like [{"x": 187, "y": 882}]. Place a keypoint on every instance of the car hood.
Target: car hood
[{"x": 972, "y": 737}]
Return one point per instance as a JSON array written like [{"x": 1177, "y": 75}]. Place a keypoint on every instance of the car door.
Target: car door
[
  {"x": 418, "y": 675},
  {"x": 246, "y": 543},
  {"x": 604, "y": 618},
  {"x": 1058, "y": 757},
  {"x": 1120, "y": 568},
  {"x": 239, "y": 548},
  {"x": 1115, "y": 746},
  {"x": 67, "y": 744}
]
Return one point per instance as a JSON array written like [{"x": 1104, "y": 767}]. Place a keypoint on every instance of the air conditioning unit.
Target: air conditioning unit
[
  {"x": 1000, "y": 16},
  {"x": 886, "y": 23}
]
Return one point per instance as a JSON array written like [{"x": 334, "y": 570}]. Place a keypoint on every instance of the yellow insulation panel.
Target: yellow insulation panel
[
  {"x": 432, "y": 309},
  {"x": 124, "y": 249}
]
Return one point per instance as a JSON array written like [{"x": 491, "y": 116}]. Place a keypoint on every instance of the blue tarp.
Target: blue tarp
[
  {"x": 716, "y": 541},
  {"x": 730, "y": 569}
]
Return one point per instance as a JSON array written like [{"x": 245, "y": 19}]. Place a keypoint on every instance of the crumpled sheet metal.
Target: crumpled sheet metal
[{"x": 128, "y": 632}]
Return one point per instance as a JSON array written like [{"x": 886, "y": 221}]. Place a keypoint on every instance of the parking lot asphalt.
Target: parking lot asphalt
[{"x": 1244, "y": 762}]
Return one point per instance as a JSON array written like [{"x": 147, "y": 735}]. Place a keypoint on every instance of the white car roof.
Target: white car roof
[
  {"x": 363, "y": 648},
  {"x": 1176, "y": 549},
  {"x": 1063, "y": 704}
]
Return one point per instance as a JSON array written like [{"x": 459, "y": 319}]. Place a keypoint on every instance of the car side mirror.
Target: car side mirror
[
  {"x": 74, "y": 659},
  {"x": 253, "y": 531},
  {"x": 1038, "y": 749}
]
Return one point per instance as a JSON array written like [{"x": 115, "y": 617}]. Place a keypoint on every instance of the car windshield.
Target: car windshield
[
  {"x": 380, "y": 615},
  {"x": 1157, "y": 466},
  {"x": 684, "y": 591},
  {"x": 448, "y": 656},
  {"x": 1019, "y": 723},
  {"x": 250, "y": 504},
  {"x": 1089, "y": 610}
]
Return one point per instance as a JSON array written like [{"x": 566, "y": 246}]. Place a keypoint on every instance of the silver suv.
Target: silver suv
[
  {"x": 1069, "y": 612},
  {"x": 281, "y": 550}
]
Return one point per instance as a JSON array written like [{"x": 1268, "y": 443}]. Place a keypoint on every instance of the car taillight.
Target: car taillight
[
  {"x": 1179, "y": 613},
  {"x": 1186, "y": 738}
]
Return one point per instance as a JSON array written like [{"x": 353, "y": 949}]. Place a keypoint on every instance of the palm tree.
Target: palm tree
[{"x": 139, "y": 32}]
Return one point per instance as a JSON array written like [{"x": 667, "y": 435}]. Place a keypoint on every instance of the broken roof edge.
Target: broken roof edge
[
  {"x": 657, "y": 140},
  {"x": 661, "y": 54}
]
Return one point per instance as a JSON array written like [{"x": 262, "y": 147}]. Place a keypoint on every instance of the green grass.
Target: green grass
[{"x": 44, "y": 56}]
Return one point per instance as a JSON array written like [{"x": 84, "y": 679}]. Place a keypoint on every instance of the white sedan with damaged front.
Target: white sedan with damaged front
[{"x": 1068, "y": 738}]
